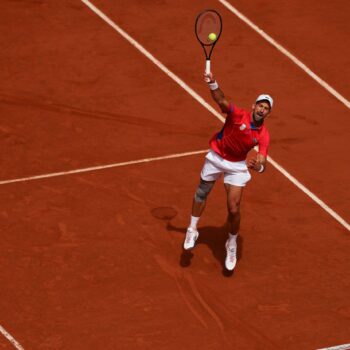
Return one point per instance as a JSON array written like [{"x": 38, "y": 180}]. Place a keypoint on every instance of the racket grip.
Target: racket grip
[{"x": 207, "y": 66}]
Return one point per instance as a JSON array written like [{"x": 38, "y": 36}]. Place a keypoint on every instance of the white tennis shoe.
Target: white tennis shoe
[
  {"x": 231, "y": 256},
  {"x": 191, "y": 237}
]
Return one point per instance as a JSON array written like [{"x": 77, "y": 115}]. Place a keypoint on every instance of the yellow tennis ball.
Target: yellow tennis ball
[{"x": 212, "y": 37}]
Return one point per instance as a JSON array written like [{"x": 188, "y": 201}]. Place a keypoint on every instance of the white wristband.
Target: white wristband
[
  {"x": 262, "y": 168},
  {"x": 213, "y": 86}
]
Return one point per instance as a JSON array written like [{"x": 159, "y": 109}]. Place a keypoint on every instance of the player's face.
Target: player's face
[{"x": 261, "y": 110}]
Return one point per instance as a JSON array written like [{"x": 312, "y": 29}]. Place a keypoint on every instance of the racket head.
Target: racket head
[{"x": 208, "y": 22}]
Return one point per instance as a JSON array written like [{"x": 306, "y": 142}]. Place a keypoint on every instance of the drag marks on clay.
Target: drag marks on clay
[
  {"x": 212, "y": 314},
  {"x": 189, "y": 293},
  {"x": 246, "y": 330},
  {"x": 204, "y": 304},
  {"x": 175, "y": 274}
]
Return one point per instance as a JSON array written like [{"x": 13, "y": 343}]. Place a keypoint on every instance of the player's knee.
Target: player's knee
[
  {"x": 234, "y": 208},
  {"x": 203, "y": 191}
]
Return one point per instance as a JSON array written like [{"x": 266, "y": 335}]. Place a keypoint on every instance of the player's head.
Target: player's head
[
  {"x": 262, "y": 107},
  {"x": 265, "y": 97}
]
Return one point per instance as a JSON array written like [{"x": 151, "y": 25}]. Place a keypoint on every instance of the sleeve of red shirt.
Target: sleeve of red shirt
[
  {"x": 231, "y": 110},
  {"x": 264, "y": 143},
  {"x": 234, "y": 113}
]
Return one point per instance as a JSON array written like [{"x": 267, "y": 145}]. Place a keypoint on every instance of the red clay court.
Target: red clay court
[{"x": 101, "y": 149}]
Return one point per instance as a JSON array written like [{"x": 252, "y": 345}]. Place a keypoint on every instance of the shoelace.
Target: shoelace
[
  {"x": 232, "y": 253},
  {"x": 232, "y": 258}
]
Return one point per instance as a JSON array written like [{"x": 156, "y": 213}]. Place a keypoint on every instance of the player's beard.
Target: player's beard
[{"x": 258, "y": 118}]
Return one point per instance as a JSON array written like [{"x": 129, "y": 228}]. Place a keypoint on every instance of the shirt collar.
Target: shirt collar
[{"x": 253, "y": 127}]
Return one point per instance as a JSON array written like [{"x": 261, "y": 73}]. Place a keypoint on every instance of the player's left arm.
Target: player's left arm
[{"x": 259, "y": 162}]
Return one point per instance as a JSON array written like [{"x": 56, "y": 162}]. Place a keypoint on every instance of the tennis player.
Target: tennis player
[{"x": 242, "y": 131}]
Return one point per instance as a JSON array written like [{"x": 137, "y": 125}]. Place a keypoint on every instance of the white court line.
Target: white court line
[
  {"x": 298, "y": 184},
  {"x": 3, "y": 331},
  {"x": 101, "y": 167},
  {"x": 339, "y": 347},
  {"x": 138, "y": 46},
  {"x": 203, "y": 103},
  {"x": 280, "y": 48},
  {"x": 10, "y": 338},
  {"x": 160, "y": 65}
]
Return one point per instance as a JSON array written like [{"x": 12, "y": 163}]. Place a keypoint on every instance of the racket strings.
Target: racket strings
[{"x": 207, "y": 23}]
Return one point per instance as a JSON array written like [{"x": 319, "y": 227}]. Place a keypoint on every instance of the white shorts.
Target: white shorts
[{"x": 235, "y": 173}]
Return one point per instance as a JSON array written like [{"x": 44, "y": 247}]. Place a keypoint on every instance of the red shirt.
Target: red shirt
[{"x": 239, "y": 135}]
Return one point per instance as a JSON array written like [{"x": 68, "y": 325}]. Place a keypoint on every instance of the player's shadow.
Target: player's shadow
[{"x": 214, "y": 238}]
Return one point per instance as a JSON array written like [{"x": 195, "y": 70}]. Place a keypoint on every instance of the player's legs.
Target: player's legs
[
  {"x": 235, "y": 181},
  {"x": 200, "y": 197},
  {"x": 209, "y": 174},
  {"x": 234, "y": 184},
  {"x": 234, "y": 196},
  {"x": 198, "y": 206}
]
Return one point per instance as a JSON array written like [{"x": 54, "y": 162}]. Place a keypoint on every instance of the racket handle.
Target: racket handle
[{"x": 207, "y": 66}]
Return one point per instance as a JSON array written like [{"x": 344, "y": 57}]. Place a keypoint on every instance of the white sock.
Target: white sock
[
  {"x": 232, "y": 239},
  {"x": 194, "y": 221}
]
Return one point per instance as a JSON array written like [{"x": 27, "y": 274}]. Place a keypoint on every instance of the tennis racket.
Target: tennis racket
[{"x": 208, "y": 28}]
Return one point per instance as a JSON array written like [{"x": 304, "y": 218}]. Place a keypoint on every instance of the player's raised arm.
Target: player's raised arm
[{"x": 216, "y": 92}]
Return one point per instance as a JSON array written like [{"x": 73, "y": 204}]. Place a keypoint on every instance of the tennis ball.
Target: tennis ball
[{"x": 212, "y": 36}]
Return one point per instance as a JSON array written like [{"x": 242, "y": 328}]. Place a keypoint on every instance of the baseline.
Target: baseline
[{"x": 190, "y": 91}]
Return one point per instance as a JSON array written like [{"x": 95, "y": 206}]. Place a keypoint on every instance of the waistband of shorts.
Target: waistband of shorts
[{"x": 216, "y": 158}]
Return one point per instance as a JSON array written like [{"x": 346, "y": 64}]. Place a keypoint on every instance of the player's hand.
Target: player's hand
[
  {"x": 254, "y": 164},
  {"x": 208, "y": 77}
]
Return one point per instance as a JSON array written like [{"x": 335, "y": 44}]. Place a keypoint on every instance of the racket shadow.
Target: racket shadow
[{"x": 214, "y": 238}]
